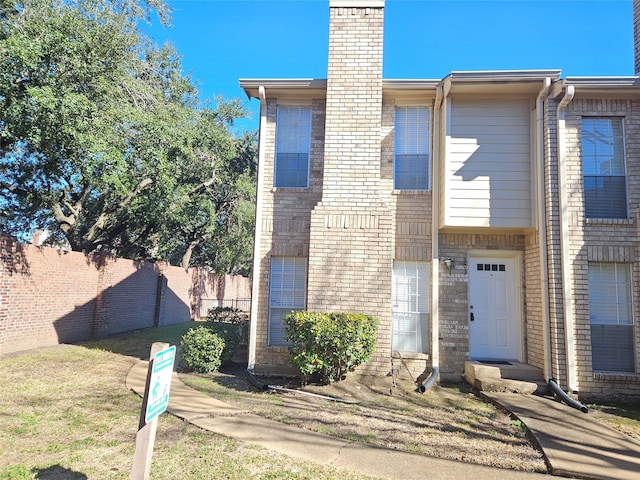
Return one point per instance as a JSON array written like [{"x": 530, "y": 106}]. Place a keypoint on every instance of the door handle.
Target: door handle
[{"x": 471, "y": 317}]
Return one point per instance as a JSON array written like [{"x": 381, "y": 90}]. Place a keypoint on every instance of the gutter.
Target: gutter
[
  {"x": 542, "y": 229},
  {"x": 253, "y": 322},
  {"x": 565, "y": 259}
]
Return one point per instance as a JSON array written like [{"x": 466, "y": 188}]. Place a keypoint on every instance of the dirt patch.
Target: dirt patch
[{"x": 447, "y": 421}]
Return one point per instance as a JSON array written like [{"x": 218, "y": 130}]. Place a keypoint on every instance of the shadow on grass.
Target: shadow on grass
[
  {"x": 56, "y": 472},
  {"x": 627, "y": 408},
  {"x": 138, "y": 343}
]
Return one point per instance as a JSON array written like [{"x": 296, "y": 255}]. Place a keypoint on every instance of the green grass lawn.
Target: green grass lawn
[{"x": 66, "y": 414}]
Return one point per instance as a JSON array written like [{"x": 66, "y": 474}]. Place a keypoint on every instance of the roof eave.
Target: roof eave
[{"x": 603, "y": 86}]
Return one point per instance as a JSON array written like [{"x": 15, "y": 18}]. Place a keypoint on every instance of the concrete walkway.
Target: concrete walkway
[
  {"x": 612, "y": 456},
  {"x": 573, "y": 442}
]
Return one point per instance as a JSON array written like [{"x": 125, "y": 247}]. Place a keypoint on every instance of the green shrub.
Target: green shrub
[
  {"x": 202, "y": 349},
  {"x": 231, "y": 315},
  {"x": 230, "y": 334},
  {"x": 225, "y": 314},
  {"x": 328, "y": 345}
]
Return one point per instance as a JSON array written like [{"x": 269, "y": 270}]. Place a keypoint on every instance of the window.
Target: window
[
  {"x": 412, "y": 147},
  {"x": 410, "y": 323},
  {"x": 603, "y": 168},
  {"x": 288, "y": 282},
  {"x": 611, "y": 314},
  {"x": 293, "y": 140}
]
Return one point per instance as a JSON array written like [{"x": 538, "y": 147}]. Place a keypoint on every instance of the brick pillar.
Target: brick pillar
[
  {"x": 350, "y": 254},
  {"x": 636, "y": 35}
]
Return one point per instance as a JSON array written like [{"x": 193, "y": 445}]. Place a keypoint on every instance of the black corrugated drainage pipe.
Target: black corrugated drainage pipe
[
  {"x": 430, "y": 381},
  {"x": 265, "y": 388},
  {"x": 566, "y": 398}
]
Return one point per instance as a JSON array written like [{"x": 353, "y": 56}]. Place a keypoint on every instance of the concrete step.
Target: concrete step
[{"x": 505, "y": 377}]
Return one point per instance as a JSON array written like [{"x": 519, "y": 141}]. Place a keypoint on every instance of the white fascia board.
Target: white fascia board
[
  {"x": 503, "y": 75},
  {"x": 611, "y": 87},
  {"x": 601, "y": 81},
  {"x": 500, "y": 82},
  {"x": 281, "y": 85},
  {"x": 410, "y": 83},
  {"x": 411, "y": 90}
]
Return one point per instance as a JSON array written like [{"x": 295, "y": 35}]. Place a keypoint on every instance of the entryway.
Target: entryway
[{"x": 494, "y": 306}]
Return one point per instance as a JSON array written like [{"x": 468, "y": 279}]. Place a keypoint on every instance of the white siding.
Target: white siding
[{"x": 487, "y": 170}]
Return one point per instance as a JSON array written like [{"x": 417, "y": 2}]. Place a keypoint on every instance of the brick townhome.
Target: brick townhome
[{"x": 489, "y": 215}]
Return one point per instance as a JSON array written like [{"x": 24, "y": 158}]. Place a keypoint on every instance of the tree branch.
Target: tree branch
[{"x": 101, "y": 221}]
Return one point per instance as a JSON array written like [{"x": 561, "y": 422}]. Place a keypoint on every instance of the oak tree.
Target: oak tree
[{"x": 105, "y": 143}]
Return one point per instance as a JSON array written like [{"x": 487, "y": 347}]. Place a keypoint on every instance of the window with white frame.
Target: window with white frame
[
  {"x": 412, "y": 148},
  {"x": 293, "y": 144},
  {"x": 604, "y": 167},
  {"x": 611, "y": 315},
  {"x": 410, "y": 317},
  {"x": 287, "y": 292}
]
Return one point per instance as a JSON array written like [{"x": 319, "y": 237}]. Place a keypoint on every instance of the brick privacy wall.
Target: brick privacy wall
[
  {"x": 48, "y": 296},
  {"x": 601, "y": 240}
]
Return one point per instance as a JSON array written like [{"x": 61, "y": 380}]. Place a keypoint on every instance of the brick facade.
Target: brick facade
[
  {"x": 601, "y": 240},
  {"x": 350, "y": 253},
  {"x": 351, "y": 225}
]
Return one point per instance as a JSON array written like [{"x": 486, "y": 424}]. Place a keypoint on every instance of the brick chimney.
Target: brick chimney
[
  {"x": 636, "y": 35},
  {"x": 354, "y": 100},
  {"x": 350, "y": 253}
]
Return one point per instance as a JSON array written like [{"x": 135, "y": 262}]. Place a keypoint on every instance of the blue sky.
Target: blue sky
[{"x": 221, "y": 41}]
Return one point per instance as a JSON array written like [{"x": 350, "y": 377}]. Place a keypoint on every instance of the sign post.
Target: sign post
[{"x": 154, "y": 402}]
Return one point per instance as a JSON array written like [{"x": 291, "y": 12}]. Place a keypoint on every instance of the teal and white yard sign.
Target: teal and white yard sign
[{"x": 160, "y": 383}]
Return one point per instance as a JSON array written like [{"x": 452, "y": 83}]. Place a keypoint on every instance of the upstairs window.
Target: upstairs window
[
  {"x": 293, "y": 140},
  {"x": 412, "y": 148},
  {"x": 611, "y": 315},
  {"x": 603, "y": 167}
]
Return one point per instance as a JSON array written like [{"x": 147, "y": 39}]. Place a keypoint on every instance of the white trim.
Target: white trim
[
  {"x": 255, "y": 287},
  {"x": 565, "y": 258},
  {"x": 435, "y": 217},
  {"x": 542, "y": 228}
]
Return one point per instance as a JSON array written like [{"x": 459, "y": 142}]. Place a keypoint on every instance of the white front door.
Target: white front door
[{"x": 493, "y": 318}]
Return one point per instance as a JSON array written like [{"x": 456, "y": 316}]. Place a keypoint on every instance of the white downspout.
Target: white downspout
[
  {"x": 253, "y": 323},
  {"x": 435, "y": 227},
  {"x": 567, "y": 292},
  {"x": 435, "y": 263},
  {"x": 542, "y": 229}
]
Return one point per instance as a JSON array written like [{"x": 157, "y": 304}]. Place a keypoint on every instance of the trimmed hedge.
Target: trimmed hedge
[
  {"x": 202, "y": 349},
  {"x": 328, "y": 345}
]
